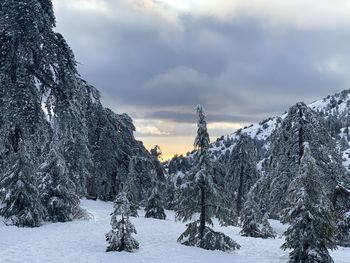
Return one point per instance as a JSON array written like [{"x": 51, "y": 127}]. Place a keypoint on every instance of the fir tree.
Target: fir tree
[
  {"x": 131, "y": 189},
  {"x": 57, "y": 189},
  {"x": 20, "y": 195},
  {"x": 119, "y": 238},
  {"x": 242, "y": 172},
  {"x": 301, "y": 124},
  {"x": 156, "y": 155},
  {"x": 154, "y": 207},
  {"x": 201, "y": 194},
  {"x": 253, "y": 217},
  {"x": 312, "y": 228}
]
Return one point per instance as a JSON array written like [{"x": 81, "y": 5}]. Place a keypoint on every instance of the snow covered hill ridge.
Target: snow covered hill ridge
[{"x": 334, "y": 108}]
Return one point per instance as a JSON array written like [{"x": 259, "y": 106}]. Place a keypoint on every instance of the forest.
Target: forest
[{"x": 60, "y": 147}]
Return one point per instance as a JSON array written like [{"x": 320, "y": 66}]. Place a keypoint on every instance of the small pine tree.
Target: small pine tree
[
  {"x": 254, "y": 222},
  {"x": 119, "y": 238},
  {"x": 155, "y": 208},
  {"x": 249, "y": 218},
  {"x": 312, "y": 228},
  {"x": 20, "y": 195}
]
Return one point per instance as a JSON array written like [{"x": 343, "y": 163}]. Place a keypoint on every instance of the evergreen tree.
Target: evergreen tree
[
  {"x": 201, "y": 194},
  {"x": 131, "y": 189},
  {"x": 19, "y": 195},
  {"x": 154, "y": 207},
  {"x": 119, "y": 238},
  {"x": 156, "y": 155},
  {"x": 242, "y": 172},
  {"x": 301, "y": 124},
  {"x": 57, "y": 189},
  {"x": 253, "y": 217},
  {"x": 312, "y": 228},
  {"x": 37, "y": 68}
]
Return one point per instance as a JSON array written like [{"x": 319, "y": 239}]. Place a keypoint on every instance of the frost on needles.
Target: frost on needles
[
  {"x": 119, "y": 238},
  {"x": 200, "y": 193},
  {"x": 309, "y": 212},
  {"x": 57, "y": 141}
]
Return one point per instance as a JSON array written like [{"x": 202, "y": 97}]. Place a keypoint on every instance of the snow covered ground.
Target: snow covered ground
[{"x": 83, "y": 241}]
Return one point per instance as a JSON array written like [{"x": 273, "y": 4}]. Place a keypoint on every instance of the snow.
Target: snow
[{"x": 83, "y": 241}]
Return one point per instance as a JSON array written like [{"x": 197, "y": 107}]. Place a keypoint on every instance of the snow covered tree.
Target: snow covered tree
[
  {"x": 131, "y": 189},
  {"x": 37, "y": 68},
  {"x": 155, "y": 207},
  {"x": 156, "y": 155},
  {"x": 242, "y": 172},
  {"x": 343, "y": 224},
  {"x": 201, "y": 194},
  {"x": 343, "y": 212},
  {"x": 253, "y": 217},
  {"x": 301, "y": 124},
  {"x": 40, "y": 82},
  {"x": 57, "y": 189},
  {"x": 19, "y": 195},
  {"x": 119, "y": 238},
  {"x": 312, "y": 228}
]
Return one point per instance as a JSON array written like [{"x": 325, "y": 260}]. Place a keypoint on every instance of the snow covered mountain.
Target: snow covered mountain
[{"x": 334, "y": 109}]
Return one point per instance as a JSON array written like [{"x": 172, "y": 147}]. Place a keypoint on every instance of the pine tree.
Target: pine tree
[
  {"x": 242, "y": 172},
  {"x": 119, "y": 238},
  {"x": 20, "y": 195},
  {"x": 201, "y": 194},
  {"x": 312, "y": 228},
  {"x": 57, "y": 189},
  {"x": 131, "y": 188},
  {"x": 154, "y": 207},
  {"x": 301, "y": 124},
  {"x": 156, "y": 155},
  {"x": 253, "y": 217}
]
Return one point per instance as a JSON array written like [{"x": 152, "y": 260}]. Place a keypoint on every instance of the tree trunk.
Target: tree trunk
[
  {"x": 122, "y": 245},
  {"x": 202, "y": 214},
  {"x": 301, "y": 136},
  {"x": 339, "y": 190}
]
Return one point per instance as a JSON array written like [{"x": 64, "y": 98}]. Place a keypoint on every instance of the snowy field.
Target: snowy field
[{"x": 83, "y": 241}]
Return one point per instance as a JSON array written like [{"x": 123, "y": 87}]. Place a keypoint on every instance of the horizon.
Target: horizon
[{"x": 244, "y": 62}]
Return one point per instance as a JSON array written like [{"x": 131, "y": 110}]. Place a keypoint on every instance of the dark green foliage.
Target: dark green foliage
[
  {"x": 211, "y": 240},
  {"x": 57, "y": 190},
  {"x": 19, "y": 194},
  {"x": 40, "y": 86},
  {"x": 154, "y": 207},
  {"x": 344, "y": 230},
  {"x": 242, "y": 172},
  {"x": 312, "y": 228},
  {"x": 254, "y": 218},
  {"x": 300, "y": 125},
  {"x": 201, "y": 193}
]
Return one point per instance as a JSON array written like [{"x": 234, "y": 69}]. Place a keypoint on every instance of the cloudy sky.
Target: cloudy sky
[{"x": 243, "y": 60}]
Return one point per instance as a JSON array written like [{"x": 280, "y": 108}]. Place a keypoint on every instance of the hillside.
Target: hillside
[{"x": 334, "y": 109}]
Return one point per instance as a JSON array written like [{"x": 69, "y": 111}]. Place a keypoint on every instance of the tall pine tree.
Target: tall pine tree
[
  {"x": 19, "y": 195},
  {"x": 57, "y": 189},
  {"x": 201, "y": 194},
  {"x": 312, "y": 228}
]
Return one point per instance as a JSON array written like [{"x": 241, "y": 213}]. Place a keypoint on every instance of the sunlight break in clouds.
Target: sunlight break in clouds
[{"x": 300, "y": 13}]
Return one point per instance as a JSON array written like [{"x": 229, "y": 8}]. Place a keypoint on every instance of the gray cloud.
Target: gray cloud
[
  {"x": 189, "y": 117},
  {"x": 241, "y": 69}
]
